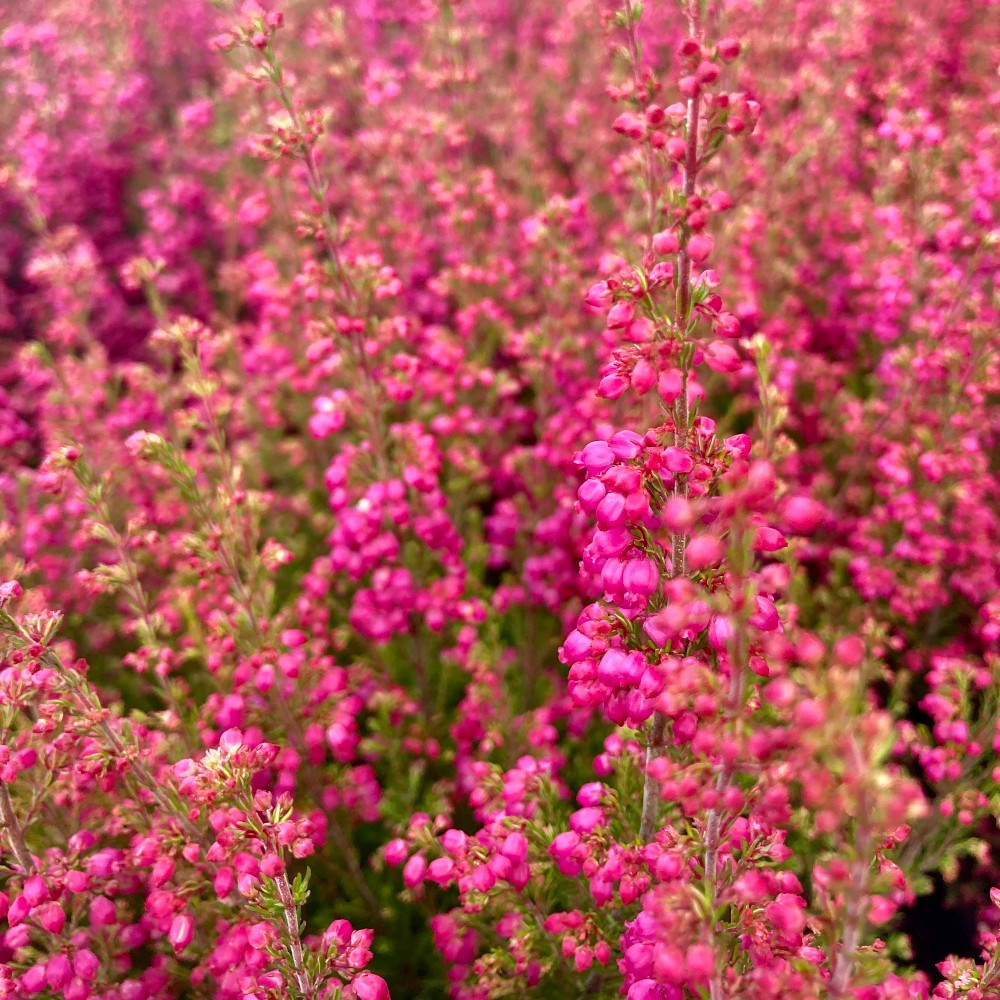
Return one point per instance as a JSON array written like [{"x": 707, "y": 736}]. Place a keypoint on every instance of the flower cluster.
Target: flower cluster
[{"x": 499, "y": 500}]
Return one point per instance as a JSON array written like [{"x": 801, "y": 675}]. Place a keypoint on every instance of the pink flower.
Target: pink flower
[
  {"x": 181, "y": 931},
  {"x": 801, "y": 515},
  {"x": 368, "y": 986},
  {"x": 396, "y": 851},
  {"x": 721, "y": 357},
  {"x": 231, "y": 740},
  {"x": 630, "y": 125},
  {"x": 35, "y": 891},
  {"x": 699, "y": 247},
  {"x": 666, "y": 242},
  {"x": 58, "y": 971},
  {"x": 52, "y": 917},
  {"x": 704, "y": 551},
  {"x": 414, "y": 870},
  {"x": 271, "y": 865},
  {"x": 9, "y": 591},
  {"x": 261, "y": 935},
  {"x": 86, "y": 964}
]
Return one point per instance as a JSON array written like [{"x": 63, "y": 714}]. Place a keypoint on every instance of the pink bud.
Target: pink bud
[
  {"x": 629, "y": 124},
  {"x": 721, "y": 357},
  {"x": 35, "y": 891},
  {"x": 441, "y": 870},
  {"x": 620, "y": 315},
  {"x": 231, "y": 739},
  {"x": 639, "y": 331},
  {"x": 729, "y": 49},
  {"x": 181, "y": 931},
  {"x": 414, "y": 871},
  {"x": 708, "y": 72},
  {"x": 739, "y": 445},
  {"x": 699, "y": 247},
  {"x": 769, "y": 540},
  {"x": 396, "y": 852},
  {"x": 641, "y": 576},
  {"x": 677, "y": 460},
  {"x": 271, "y": 865},
  {"x": 688, "y": 85},
  {"x": 515, "y": 847},
  {"x": 670, "y": 385},
  {"x": 576, "y": 647},
  {"x": 704, "y": 551},
  {"x": 247, "y": 885},
  {"x": 51, "y": 917},
  {"x": 368, "y": 986},
  {"x": 293, "y": 638},
  {"x": 223, "y": 882},
  {"x": 647, "y": 989},
  {"x": 599, "y": 295},
  {"x": 162, "y": 872},
  {"x": 596, "y": 457},
  {"x": 33, "y": 980},
  {"x": 58, "y": 971},
  {"x": 18, "y": 911},
  {"x": 586, "y": 820},
  {"x": 77, "y": 881},
  {"x": 666, "y": 242},
  {"x": 611, "y": 511},
  {"x": 676, "y": 148},
  {"x": 850, "y": 651},
  {"x": 10, "y": 590},
  {"x": 700, "y": 962},
  {"x": 727, "y": 325},
  {"x": 261, "y": 935},
  {"x": 590, "y": 494},
  {"x": 643, "y": 377},
  {"x": 678, "y": 515},
  {"x": 612, "y": 386},
  {"x": 102, "y": 912},
  {"x": 720, "y": 201},
  {"x": 660, "y": 628},
  {"x": 625, "y": 445},
  {"x": 636, "y": 506},
  {"x": 85, "y": 964},
  {"x": 766, "y": 616},
  {"x": 801, "y": 515},
  {"x": 787, "y": 914}
]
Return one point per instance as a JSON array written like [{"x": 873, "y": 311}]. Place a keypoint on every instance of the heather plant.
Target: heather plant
[{"x": 461, "y": 542}]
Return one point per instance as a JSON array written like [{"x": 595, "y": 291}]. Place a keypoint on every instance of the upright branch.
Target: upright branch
[
  {"x": 681, "y": 407},
  {"x": 14, "y": 832},
  {"x": 291, "y": 912},
  {"x": 298, "y": 139}
]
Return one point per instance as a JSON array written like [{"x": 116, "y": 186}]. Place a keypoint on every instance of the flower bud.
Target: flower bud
[
  {"x": 52, "y": 917},
  {"x": 630, "y": 125},
  {"x": 86, "y": 964},
  {"x": 704, "y": 551},
  {"x": 620, "y": 315},
  {"x": 722, "y": 357},
  {"x": 666, "y": 242},
  {"x": 728, "y": 49},
  {"x": 699, "y": 247},
  {"x": 368, "y": 986},
  {"x": 801, "y": 515},
  {"x": 181, "y": 931},
  {"x": 414, "y": 871}
]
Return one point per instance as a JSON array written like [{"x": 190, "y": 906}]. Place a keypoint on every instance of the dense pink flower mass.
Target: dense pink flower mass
[{"x": 500, "y": 500}]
